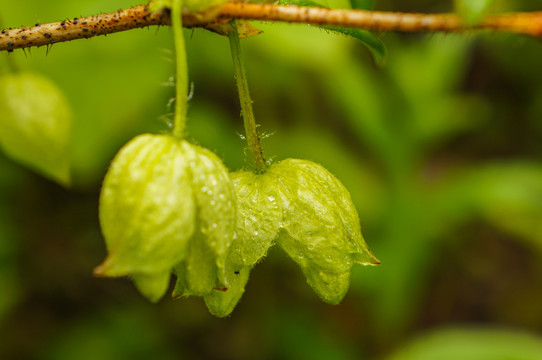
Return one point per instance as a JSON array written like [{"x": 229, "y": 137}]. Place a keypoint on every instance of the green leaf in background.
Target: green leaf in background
[
  {"x": 473, "y": 344},
  {"x": 375, "y": 46},
  {"x": 35, "y": 124},
  {"x": 362, "y": 4},
  {"x": 472, "y": 11},
  {"x": 510, "y": 196}
]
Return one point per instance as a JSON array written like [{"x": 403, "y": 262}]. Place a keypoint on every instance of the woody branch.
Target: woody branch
[{"x": 140, "y": 16}]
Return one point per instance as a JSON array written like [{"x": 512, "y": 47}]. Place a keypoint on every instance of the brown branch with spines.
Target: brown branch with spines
[{"x": 140, "y": 16}]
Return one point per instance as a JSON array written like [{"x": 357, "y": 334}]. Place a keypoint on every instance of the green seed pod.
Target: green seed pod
[
  {"x": 35, "y": 124},
  {"x": 310, "y": 214},
  {"x": 258, "y": 216},
  {"x": 197, "y": 273},
  {"x": 321, "y": 230},
  {"x": 203, "y": 269},
  {"x": 256, "y": 229},
  {"x": 164, "y": 199}
]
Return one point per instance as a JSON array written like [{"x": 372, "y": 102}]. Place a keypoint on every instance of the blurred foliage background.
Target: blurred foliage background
[{"x": 440, "y": 148}]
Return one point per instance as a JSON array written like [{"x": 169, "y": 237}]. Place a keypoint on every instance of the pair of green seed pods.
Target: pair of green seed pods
[{"x": 168, "y": 206}]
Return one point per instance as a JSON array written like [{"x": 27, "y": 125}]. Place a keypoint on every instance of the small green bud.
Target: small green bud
[
  {"x": 35, "y": 124},
  {"x": 310, "y": 214},
  {"x": 165, "y": 201}
]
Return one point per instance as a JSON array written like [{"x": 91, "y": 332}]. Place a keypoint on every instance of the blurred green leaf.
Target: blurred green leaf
[
  {"x": 362, "y": 4},
  {"x": 510, "y": 197},
  {"x": 427, "y": 80},
  {"x": 472, "y": 11},
  {"x": 35, "y": 124},
  {"x": 114, "y": 84},
  {"x": 375, "y": 46},
  {"x": 473, "y": 344}
]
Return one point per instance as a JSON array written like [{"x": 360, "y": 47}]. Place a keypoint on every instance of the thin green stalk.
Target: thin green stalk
[
  {"x": 181, "y": 84},
  {"x": 251, "y": 131}
]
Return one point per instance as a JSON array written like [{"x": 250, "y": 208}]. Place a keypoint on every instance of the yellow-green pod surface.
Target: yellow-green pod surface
[{"x": 161, "y": 198}]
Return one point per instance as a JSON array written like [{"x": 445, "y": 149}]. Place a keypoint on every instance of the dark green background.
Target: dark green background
[{"x": 441, "y": 150}]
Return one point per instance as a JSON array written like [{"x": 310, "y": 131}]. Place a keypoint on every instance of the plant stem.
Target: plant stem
[
  {"x": 529, "y": 23},
  {"x": 181, "y": 67},
  {"x": 251, "y": 131}
]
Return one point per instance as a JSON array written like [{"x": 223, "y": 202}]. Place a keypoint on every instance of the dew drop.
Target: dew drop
[
  {"x": 170, "y": 82},
  {"x": 213, "y": 203},
  {"x": 266, "y": 135},
  {"x": 204, "y": 189},
  {"x": 271, "y": 198},
  {"x": 170, "y": 103},
  {"x": 192, "y": 163},
  {"x": 191, "y": 93},
  {"x": 256, "y": 233}
]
